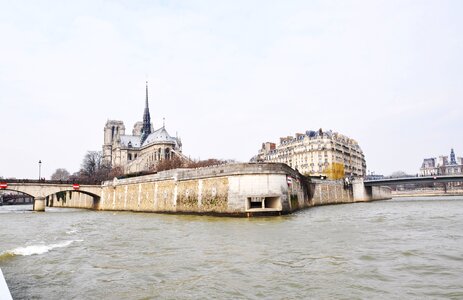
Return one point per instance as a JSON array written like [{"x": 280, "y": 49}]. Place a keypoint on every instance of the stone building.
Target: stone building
[
  {"x": 442, "y": 165},
  {"x": 313, "y": 152},
  {"x": 141, "y": 150}
]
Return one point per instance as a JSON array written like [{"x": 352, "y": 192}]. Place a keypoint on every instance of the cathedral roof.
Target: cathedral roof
[
  {"x": 130, "y": 141},
  {"x": 159, "y": 136}
]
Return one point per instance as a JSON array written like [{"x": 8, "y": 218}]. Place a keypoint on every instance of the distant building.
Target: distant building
[
  {"x": 374, "y": 177},
  {"x": 442, "y": 165},
  {"x": 143, "y": 149},
  {"x": 313, "y": 152}
]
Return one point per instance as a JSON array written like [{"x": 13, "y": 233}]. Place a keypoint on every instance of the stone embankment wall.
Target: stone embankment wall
[
  {"x": 237, "y": 189},
  {"x": 327, "y": 192},
  {"x": 428, "y": 192}
]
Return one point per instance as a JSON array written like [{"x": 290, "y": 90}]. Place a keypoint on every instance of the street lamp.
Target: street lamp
[{"x": 40, "y": 167}]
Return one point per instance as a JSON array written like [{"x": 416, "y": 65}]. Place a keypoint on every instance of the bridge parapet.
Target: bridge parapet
[
  {"x": 42, "y": 189},
  {"x": 42, "y": 181},
  {"x": 408, "y": 180}
]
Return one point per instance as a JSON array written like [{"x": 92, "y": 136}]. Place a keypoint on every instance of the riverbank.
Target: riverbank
[
  {"x": 243, "y": 190},
  {"x": 426, "y": 193}
]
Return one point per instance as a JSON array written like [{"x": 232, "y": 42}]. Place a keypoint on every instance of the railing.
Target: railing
[
  {"x": 43, "y": 181},
  {"x": 407, "y": 180}
]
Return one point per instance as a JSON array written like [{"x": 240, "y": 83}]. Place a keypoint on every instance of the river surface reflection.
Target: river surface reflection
[{"x": 401, "y": 248}]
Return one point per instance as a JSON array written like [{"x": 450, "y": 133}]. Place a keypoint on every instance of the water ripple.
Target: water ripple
[{"x": 395, "y": 249}]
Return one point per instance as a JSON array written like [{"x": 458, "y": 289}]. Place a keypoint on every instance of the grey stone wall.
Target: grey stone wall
[
  {"x": 236, "y": 189},
  {"x": 225, "y": 189},
  {"x": 330, "y": 192}
]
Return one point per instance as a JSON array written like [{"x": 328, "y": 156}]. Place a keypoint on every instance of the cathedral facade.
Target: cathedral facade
[{"x": 143, "y": 149}]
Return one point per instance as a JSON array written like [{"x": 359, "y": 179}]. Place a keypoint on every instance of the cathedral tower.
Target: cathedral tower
[{"x": 112, "y": 131}]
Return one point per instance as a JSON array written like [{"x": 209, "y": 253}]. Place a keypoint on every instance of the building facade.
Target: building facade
[
  {"x": 312, "y": 153},
  {"x": 141, "y": 150},
  {"x": 442, "y": 165}
]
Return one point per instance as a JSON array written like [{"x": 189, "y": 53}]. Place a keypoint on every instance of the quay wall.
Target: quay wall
[
  {"x": 235, "y": 189},
  {"x": 326, "y": 192},
  {"x": 428, "y": 192}
]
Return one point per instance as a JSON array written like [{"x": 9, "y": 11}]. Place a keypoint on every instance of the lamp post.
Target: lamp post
[{"x": 40, "y": 168}]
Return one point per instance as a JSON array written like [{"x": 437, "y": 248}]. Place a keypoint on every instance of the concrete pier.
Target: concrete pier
[
  {"x": 39, "y": 204},
  {"x": 369, "y": 193}
]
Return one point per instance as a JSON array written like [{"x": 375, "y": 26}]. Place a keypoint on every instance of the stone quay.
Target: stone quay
[{"x": 245, "y": 189}]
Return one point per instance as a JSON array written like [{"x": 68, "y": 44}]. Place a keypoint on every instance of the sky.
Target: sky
[{"x": 229, "y": 75}]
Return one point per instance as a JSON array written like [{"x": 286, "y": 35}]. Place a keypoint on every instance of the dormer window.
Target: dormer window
[{"x": 129, "y": 144}]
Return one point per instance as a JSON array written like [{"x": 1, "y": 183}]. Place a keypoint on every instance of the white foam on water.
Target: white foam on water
[{"x": 38, "y": 249}]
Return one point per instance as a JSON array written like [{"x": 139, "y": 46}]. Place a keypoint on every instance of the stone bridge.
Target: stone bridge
[{"x": 40, "y": 190}]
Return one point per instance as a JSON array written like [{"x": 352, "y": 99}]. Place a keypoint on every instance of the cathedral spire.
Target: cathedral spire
[
  {"x": 146, "y": 130},
  {"x": 146, "y": 102}
]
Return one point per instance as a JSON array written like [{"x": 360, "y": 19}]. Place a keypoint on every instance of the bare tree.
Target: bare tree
[
  {"x": 207, "y": 163},
  {"x": 93, "y": 168},
  {"x": 177, "y": 162},
  {"x": 116, "y": 172},
  {"x": 168, "y": 164},
  {"x": 91, "y": 163},
  {"x": 60, "y": 174}
]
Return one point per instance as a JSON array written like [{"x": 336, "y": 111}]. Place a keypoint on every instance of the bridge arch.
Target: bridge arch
[
  {"x": 73, "y": 199},
  {"x": 75, "y": 191},
  {"x": 15, "y": 190},
  {"x": 12, "y": 198},
  {"x": 41, "y": 191}
]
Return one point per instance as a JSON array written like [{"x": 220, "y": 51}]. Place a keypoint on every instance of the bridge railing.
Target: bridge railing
[
  {"x": 43, "y": 181},
  {"x": 415, "y": 180}
]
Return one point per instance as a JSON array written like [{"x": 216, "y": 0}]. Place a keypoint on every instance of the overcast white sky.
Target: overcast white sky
[{"x": 229, "y": 75}]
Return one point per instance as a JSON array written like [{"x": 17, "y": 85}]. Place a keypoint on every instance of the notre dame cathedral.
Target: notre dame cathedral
[{"x": 142, "y": 150}]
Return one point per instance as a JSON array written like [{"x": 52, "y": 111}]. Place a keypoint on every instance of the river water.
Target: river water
[{"x": 401, "y": 248}]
